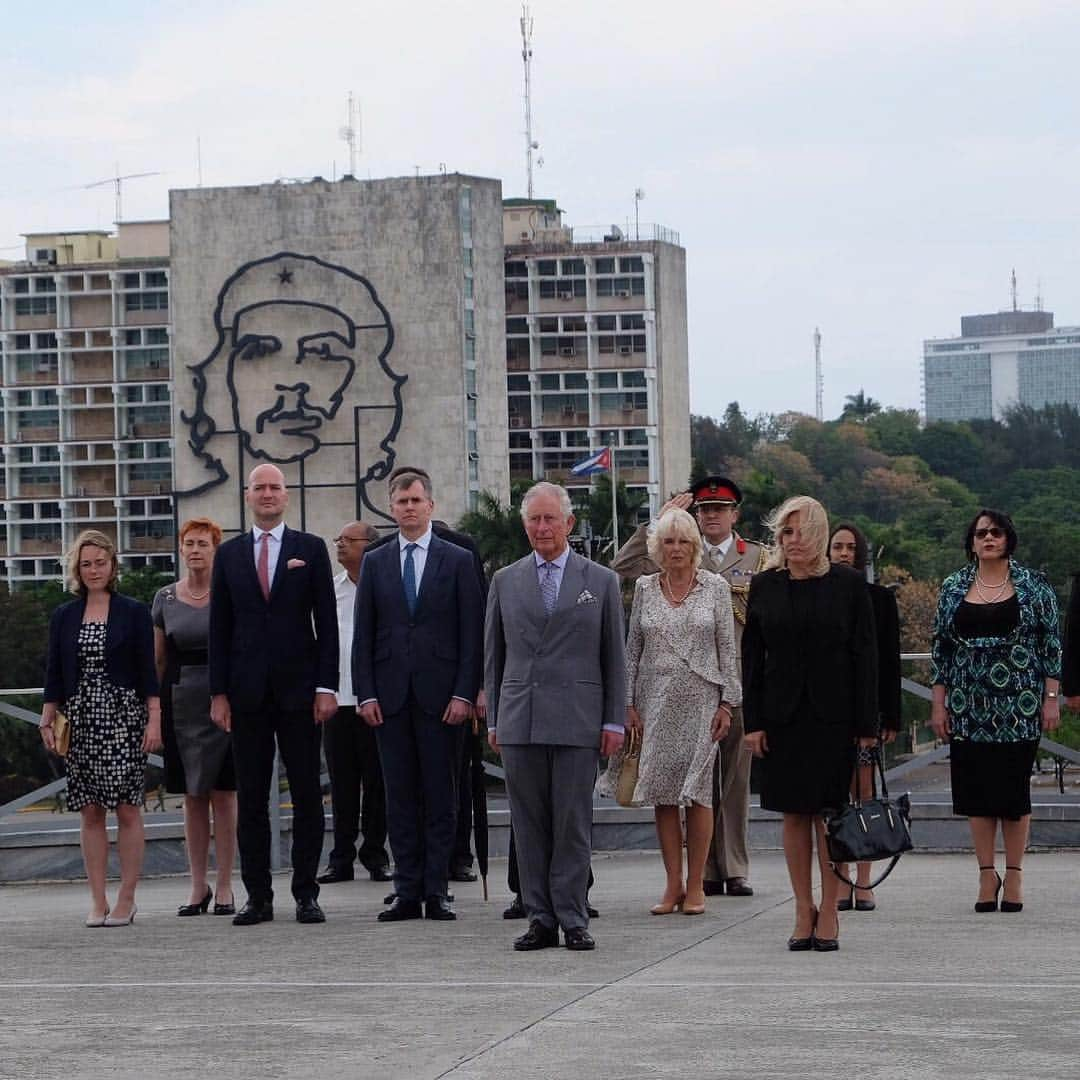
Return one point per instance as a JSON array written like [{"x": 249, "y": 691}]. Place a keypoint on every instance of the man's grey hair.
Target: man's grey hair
[
  {"x": 544, "y": 488},
  {"x": 402, "y": 480}
]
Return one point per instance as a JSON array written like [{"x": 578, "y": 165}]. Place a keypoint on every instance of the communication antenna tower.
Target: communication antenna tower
[
  {"x": 118, "y": 181},
  {"x": 526, "y": 56},
  {"x": 1015, "y": 303},
  {"x": 1038, "y": 294},
  {"x": 351, "y": 132},
  {"x": 639, "y": 194},
  {"x": 819, "y": 378}
]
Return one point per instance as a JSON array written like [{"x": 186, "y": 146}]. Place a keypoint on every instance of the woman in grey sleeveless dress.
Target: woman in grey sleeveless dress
[{"x": 198, "y": 755}]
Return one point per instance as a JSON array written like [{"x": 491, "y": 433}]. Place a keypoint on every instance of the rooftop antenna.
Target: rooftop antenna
[
  {"x": 639, "y": 194},
  {"x": 819, "y": 378},
  {"x": 351, "y": 132},
  {"x": 1038, "y": 294},
  {"x": 1016, "y": 305},
  {"x": 526, "y": 56},
  {"x": 118, "y": 181}
]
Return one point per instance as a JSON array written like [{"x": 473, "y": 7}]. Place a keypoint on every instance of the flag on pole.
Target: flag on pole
[{"x": 599, "y": 462}]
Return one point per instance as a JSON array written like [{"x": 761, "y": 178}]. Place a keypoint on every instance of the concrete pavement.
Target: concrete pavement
[{"x": 923, "y": 987}]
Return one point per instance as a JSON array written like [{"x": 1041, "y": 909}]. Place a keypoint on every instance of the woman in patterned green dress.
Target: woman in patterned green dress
[{"x": 996, "y": 665}]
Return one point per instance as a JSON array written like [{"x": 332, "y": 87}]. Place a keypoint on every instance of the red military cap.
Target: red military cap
[{"x": 718, "y": 490}]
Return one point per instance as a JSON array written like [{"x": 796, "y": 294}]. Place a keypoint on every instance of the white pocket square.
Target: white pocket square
[
  {"x": 295, "y": 564},
  {"x": 586, "y": 597}
]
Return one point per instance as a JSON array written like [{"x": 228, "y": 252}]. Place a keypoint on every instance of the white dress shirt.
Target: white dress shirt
[
  {"x": 419, "y": 556},
  {"x": 345, "y": 591}
]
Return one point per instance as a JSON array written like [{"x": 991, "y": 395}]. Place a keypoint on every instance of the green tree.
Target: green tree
[
  {"x": 859, "y": 408},
  {"x": 894, "y": 431},
  {"x": 595, "y": 508},
  {"x": 496, "y": 529}
]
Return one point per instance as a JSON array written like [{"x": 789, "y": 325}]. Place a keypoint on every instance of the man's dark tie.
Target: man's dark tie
[
  {"x": 263, "y": 567},
  {"x": 408, "y": 578}
]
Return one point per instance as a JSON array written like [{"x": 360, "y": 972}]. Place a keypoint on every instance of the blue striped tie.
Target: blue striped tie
[
  {"x": 408, "y": 578},
  {"x": 548, "y": 591}
]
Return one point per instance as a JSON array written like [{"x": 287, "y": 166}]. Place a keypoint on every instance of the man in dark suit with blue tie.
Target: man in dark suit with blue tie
[
  {"x": 273, "y": 674},
  {"x": 416, "y": 672}
]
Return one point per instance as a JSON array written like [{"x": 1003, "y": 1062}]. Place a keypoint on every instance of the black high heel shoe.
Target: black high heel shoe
[
  {"x": 1013, "y": 905},
  {"x": 846, "y": 903},
  {"x": 803, "y": 944},
  {"x": 982, "y": 906},
  {"x": 199, "y": 908}
]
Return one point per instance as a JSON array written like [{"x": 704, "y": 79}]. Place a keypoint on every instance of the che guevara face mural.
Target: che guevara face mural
[{"x": 300, "y": 361}]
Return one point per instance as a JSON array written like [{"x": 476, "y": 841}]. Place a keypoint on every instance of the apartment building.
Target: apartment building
[
  {"x": 1003, "y": 359},
  {"x": 596, "y": 351},
  {"x": 85, "y": 391}
]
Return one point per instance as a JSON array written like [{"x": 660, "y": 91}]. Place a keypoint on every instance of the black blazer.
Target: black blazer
[
  {"x": 437, "y": 651},
  {"x": 887, "y": 633},
  {"x": 282, "y": 648},
  {"x": 129, "y": 648},
  {"x": 832, "y": 660}
]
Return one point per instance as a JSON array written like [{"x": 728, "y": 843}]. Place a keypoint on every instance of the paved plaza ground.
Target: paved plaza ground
[{"x": 922, "y": 988}]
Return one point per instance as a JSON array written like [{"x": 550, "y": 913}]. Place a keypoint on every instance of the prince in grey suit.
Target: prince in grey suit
[{"x": 555, "y": 678}]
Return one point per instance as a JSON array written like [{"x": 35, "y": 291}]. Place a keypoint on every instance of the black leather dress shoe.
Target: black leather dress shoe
[
  {"x": 738, "y": 886},
  {"x": 516, "y": 910},
  {"x": 538, "y": 936},
  {"x": 462, "y": 873},
  {"x": 380, "y": 873},
  {"x": 399, "y": 910},
  {"x": 579, "y": 939},
  {"x": 714, "y": 888},
  {"x": 308, "y": 911},
  {"x": 254, "y": 911},
  {"x": 437, "y": 908},
  {"x": 333, "y": 874}
]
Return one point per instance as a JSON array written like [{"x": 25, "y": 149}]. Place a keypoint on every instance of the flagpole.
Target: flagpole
[{"x": 614, "y": 502}]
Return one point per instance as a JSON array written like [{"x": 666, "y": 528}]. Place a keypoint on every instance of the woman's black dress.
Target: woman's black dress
[{"x": 809, "y": 682}]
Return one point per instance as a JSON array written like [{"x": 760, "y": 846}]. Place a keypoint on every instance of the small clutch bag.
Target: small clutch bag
[
  {"x": 62, "y": 734},
  {"x": 624, "y": 791}
]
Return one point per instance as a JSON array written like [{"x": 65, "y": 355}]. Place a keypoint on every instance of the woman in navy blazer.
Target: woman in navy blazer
[{"x": 100, "y": 671}]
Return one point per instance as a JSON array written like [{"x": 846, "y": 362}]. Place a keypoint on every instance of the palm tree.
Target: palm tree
[
  {"x": 497, "y": 530},
  {"x": 859, "y": 408}
]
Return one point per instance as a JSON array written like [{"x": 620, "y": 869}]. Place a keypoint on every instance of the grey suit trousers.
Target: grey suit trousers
[{"x": 550, "y": 789}]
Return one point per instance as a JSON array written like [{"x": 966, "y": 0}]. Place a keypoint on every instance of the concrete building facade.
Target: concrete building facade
[
  {"x": 339, "y": 330},
  {"x": 1000, "y": 360},
  {"x": 85, "y": 399},
  {"x": 596, "y": 351}
]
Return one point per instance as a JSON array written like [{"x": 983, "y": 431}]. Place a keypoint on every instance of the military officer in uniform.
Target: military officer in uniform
[{"x": 716, "y": 504}]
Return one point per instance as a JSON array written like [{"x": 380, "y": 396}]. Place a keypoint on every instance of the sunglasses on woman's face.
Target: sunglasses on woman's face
[{"x": 994, "y": 532}]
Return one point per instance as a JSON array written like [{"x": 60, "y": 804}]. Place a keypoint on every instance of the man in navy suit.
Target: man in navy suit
[
  {"x": 416, "y": 672},
  {"x": 274, "y": 673}
]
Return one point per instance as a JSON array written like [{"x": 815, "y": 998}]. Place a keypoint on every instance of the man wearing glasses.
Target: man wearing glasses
[{"x": 356, "y": 783}]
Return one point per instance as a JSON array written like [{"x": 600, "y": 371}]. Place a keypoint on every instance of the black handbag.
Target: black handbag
[{"x": 869, "y": 830}]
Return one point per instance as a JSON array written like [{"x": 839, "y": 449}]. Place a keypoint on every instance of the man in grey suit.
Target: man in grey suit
[
  {"x": 555, "y": 677},
  {"x": 716, "y": 501}
]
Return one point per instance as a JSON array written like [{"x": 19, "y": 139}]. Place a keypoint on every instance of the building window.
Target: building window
[
  {"x": 156, "y": 335},
  {"x": 605, "y": 266},
  {"x": 573, "y": 267},
  {"x": 633, "y": 378},
  {"x": 577, "y": 439},
  {"x": 517, "y": 326},
  {"x": 36, "y": 305},
  {"x": 607, "y": 380},
  {"x": 516, "y": 270},
  {"x": 549, "y": 382},
  {"x": 631, "y": 264},
  {"x": 517, "y": 382},
  {"x": 549, "y": 439},
  {"x": 547, "y": 267},
  {"x": 575, "y": 380},
  {"x": 146, "y": 301}
]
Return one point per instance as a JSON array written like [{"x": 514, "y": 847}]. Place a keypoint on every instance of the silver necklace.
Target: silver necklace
[{"x": 995, "y": 590}]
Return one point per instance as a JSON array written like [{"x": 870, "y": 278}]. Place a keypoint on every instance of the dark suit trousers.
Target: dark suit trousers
[
  {"x": 356, "y": 785},
  {"x": 298, "y": 738},
  {"x": 550, "y": 789},
  {"x": 420, "y": 771}
]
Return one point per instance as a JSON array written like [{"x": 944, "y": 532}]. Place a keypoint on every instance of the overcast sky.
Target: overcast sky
[{"x": 876, "y": 169}]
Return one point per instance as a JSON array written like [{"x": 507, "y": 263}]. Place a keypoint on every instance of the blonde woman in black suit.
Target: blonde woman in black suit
[{"x": 809, "y": 694}]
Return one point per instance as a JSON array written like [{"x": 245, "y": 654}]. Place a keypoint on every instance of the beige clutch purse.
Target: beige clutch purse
[{"x": 624, "y": 790}]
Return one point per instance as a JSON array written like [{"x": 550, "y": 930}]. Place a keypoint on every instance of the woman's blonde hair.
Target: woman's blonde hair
[
  {"x": 91, "y": 538},
  {"x": 815, "y": 532},
  {"x": 674, "y": 522}
]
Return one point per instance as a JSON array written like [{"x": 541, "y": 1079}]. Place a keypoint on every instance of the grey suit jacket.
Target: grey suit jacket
[
  {"x": 736, "y": 568},
  {"x": 554, "y": 681}
]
